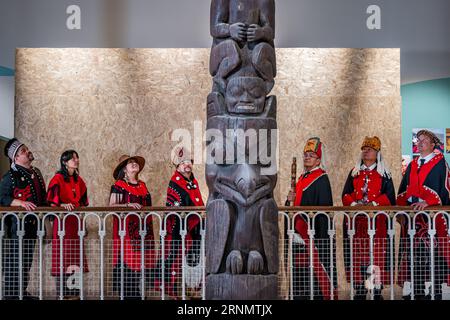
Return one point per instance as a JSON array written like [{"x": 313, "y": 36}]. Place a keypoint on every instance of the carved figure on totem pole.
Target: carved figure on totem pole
[{"x": 242, "y": 216}]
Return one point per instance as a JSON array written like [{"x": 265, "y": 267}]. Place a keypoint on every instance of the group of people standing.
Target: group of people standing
[
  {"x": 24, "y": 186},
  {"x": 369, "y": 183}
]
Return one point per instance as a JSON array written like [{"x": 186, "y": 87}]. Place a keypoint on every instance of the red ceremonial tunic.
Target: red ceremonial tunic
[
  {"x": 133, "y": 193},
  {"x": 380, "y": 192},
  {"x": 74, "y": 192},
  {"x": 180, "y": 193}
]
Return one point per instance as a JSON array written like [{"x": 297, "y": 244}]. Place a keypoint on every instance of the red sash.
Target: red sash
[
  {"x": 417, "y": 179},
  {"x": 304, "y": 183}
]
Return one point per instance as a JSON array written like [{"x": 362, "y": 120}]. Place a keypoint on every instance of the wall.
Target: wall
[
  {"x": 106, "y": 102},
  {"x": 4, "y": 163},
  {"x": 6, "y": 102},
  {"x": 6, "y": 113},
  {"x": 426, "y": 104}
]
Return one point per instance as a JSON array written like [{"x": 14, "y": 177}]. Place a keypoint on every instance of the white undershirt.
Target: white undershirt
[
  {"x": 427, "y": 158},
  {"x": 364, "y": 167}
]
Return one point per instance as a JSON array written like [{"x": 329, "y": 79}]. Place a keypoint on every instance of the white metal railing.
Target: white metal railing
[{"x": 341, "y": 253}]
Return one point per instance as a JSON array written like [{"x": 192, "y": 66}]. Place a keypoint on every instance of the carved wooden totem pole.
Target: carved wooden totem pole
[{"x": 242, "y": 216}]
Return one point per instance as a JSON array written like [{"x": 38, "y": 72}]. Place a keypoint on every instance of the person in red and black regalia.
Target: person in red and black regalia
[
  {"x": 426, "y": 183},
  {"x": 369, "y": 183},
  {"x": 131, "y": 192},
  {"x": 22, "y": 186},
  {"x": 313, "y": 189},
  {"x": 68, "y": 190},
  {"x": 183, "y": 191}
]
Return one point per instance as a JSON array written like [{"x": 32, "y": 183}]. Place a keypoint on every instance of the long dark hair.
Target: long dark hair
[
  {"x": 66, "y": 156},
  {"x": 122, "y": 175}
]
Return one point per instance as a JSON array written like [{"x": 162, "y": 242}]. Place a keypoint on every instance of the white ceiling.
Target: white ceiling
[{"x": 421, "y": 28}]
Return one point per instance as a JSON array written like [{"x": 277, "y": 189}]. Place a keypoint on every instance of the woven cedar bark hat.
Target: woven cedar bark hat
[
  {"x": 314, "y": 145},
  {"x": 372, "y": 142},
  {"x": 123, "y": 160}
]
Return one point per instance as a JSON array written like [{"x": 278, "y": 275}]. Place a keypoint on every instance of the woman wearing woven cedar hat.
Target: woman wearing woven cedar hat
[
  {"x": 426, "y": 183},
  {"x": 130, "y": 192},
  {"x": 67, "y": 189},
  {"x": 369, "y": 183},
  {"x": 183, "y": 191},
  {"x": 313, "y": 189}
]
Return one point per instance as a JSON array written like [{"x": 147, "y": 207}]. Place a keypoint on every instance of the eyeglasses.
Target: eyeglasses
[{"x": 310, "y": 155}]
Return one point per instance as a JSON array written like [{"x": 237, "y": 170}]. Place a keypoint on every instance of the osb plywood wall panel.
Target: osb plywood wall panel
[{"x": 106, "y": 102}]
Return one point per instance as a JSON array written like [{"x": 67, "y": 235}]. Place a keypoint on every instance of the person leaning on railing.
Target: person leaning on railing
[
  {"x": 130, "y": 192},
  {"x": 369, "y": 183},
  {"x": 22, "y": 186},
  {"x": 183, "y": 191},
  {"x": 68, "y": 190},
  {"x": 313, "y": 189},
  {"x": 426, "y": 183}
]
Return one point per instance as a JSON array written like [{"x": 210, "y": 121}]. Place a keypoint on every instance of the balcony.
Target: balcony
[{"x": 349, "y": 253}]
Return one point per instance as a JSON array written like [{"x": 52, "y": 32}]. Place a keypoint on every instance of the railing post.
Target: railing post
[
  {"x": 20, "y": 234},
  {"x": 122, "y": 240},
  {"x": 411, "y": 233},
  {"x": 61, "y": 234},
  {"x": 391, "y": 233},
  {"x": 291, "y": 264},
  {"x": 351, "y": 234},
  {"x": 331, "y": 233},
  {"x": 2, "y": 234},
  {"x": 202, "y": 257},
  {"x": 41, "y": 234},
  {"x": 81, "y": 234},
  {"x": 183, "y": 234},
  {"x": 142, "y": 233},
  {"x": 432, "y": 233},
  {"x": 162, "y": 234},
  {"x": 101, "y": 234},
  {"x": 311, "y": 233},
  {"x": 371, "y": 233}
]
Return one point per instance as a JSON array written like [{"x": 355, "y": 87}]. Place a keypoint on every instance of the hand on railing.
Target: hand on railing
[
  {"x": 68, "y": 206},
  {"x": 419, "y": 206},
  {"x": 29, "y": 206},
  {"x": 291, "y": 196},
  {"x": 136, "y": 206}
]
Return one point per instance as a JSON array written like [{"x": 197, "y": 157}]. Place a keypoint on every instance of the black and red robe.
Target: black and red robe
[
  {"x": 182, "y": 192},
  {"x": 133, "y": 193},
  {"x": 380, "y": 192},
  {"x": 23, "y": 184},
  {"x": 125, "y": 193},
  {"x": 313, "y": 189},
  {"x": 27, "y": 185},
  {"x": 73, "y": 191},
  {"x": 431, "y": 183}
]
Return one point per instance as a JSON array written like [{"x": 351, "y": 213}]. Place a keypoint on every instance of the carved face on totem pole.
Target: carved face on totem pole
[{"x": 246, "y": 95}]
